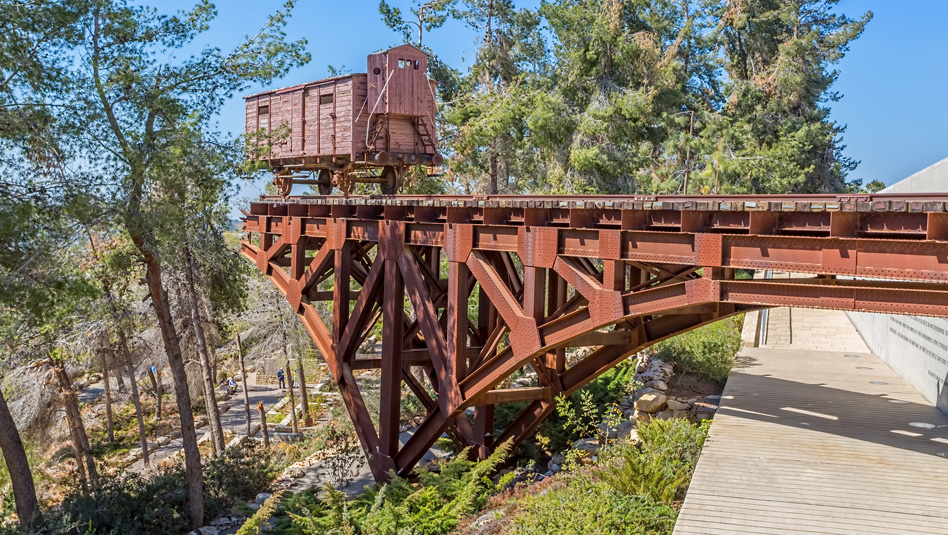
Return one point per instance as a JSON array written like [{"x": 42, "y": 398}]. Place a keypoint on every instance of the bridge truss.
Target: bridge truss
[{"x": 470, "y": 290}]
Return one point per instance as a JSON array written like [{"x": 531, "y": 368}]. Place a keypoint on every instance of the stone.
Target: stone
[
  {"x": 657, "y": 371},
  {"x": 558, "y": 458},
  {"x": 555, "y": 468},
  {"x": 657, "y": 385},
  {"x": 675, "y": 405},
  {"x": 262, "y": 497},
  {"x": 651, "y": 402},
  {"x": 589, "y": 445},
  {"x": 208, "y": 530},
  {"x": 681, "y": 414},
  {"x": 641, "y": 416},
  {"x": 548, "y": 473},
  {"x": 633, "y": 436},
  {"x": 624, "y": 430},
  {"x": 663, "y": 415},
  {"x": 642, "y": 391}
]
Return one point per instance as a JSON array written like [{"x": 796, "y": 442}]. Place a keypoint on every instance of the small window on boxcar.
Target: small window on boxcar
[
  {"x": 325, "y": 99},
  {"x": 402, "y": 63},
  {"x": 416, "y": 64},
  {"x": 263, "y": 110}
]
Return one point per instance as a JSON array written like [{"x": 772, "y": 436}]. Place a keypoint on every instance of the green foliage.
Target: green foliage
[
  {"x": 260, "y": 519},
  {"x": 708, "y": 351},
  {"x": 432, "y": 506},
  {"x": 632, "y": 492},
  {"x": 133, "y": 504},
  {"x": 661, "y": 468},
  {"x": 581, "y": 505},
  {"x": 573, "y": 421},
  {"x": 643, "y": 95}
]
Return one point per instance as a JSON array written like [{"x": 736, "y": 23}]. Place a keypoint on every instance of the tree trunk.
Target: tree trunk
[
  {"x": 81, "y": 439},
  {"x": 213, "y": 413},
  {"x": 18, "y": 466},
  {"x": 77, "y": 448},
  {"x": 139, "y": 413},
  {"x": 119, "y": 378},
  {"x": 172, "y": 342},
  {"x": 263, "y": 425},
  {"x": 289, "y": 377},
  {"x": 215, "y": 338},
  {"x": 156, "y": 386},
  {"x": 106, "y": 380},
  {"x": 304, "y": 398},
  {"x": 243, "y": 380}
]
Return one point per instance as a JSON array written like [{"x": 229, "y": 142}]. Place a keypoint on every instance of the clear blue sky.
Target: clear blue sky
[{"x": 894, "y": 79}]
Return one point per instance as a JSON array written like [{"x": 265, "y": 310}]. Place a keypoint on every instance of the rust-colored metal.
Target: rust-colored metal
[
  {"x": 499, "y": 284},
  {"x": 366, "y": 127}
]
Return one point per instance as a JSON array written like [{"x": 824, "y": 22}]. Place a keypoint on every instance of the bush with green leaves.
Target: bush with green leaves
[
  {"x": 433, "y": 505},
  {"x": 133, "y": 504},
  {"x": 707, "y": 351},
  {"x": 558, "y": 431},
  {"x": 579, "y": 504},
  {"x": 660, "y": 468},
  {"x": 632, "y": 492}
]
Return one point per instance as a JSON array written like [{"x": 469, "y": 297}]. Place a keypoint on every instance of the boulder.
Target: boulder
[
  {"x": 262, "y": 497},
  {"x": 657, "y": 371},
  {"x": 634, "y": 436},
  {"x": 657, "y": 385},
  {"x": 208, "y": 530},
  {"x": 640, "y": 416},
  {"x": 642, "y": 391},
  {"x": 663, "y": 415},
  {"x": 675, "y": 405},
  {"x": 651, "y": 402},
  {"x": 589, "y": 445}
]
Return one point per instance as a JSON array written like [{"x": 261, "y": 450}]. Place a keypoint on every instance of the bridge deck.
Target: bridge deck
[{"x": 804, "y": 442}]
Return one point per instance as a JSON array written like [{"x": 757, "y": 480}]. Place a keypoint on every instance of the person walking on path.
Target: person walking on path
[{"x": 281, "y": 379}]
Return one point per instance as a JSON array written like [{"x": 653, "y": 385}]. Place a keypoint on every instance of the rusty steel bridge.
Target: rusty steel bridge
[{"x": 498, "y": 283}]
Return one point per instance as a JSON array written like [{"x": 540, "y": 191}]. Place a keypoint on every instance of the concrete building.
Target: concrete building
[{"x": 915, "y": 347}]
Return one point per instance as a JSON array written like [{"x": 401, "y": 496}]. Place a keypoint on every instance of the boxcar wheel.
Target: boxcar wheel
[
  {"x": 324, "y": 186},
  {"x": 390, "y": 177}
]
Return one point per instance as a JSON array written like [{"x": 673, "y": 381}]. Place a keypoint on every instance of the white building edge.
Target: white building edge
[{"x": 915, "y": 347}]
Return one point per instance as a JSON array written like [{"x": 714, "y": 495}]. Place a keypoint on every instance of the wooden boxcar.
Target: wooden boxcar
[{"x": 365, "y": 127}]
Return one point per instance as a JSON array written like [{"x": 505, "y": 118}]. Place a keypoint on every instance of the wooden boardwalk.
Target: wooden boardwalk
[{"x": 810, "y": 442}]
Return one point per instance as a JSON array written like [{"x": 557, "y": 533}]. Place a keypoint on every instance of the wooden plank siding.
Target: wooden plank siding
[{"x": 333, "y": 117}]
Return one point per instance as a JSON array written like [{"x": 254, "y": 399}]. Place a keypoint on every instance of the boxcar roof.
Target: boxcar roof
[{"x": 300, "y": 86}]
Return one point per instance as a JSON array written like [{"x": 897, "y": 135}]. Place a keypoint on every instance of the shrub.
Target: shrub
[
  {"x": 580, "y": 504},
  {"x": 433, "y": 506},
  {"x": 661, "y": 468},
  {"x": 707, "y": 351},
  {"x": 132, "y": 504}
]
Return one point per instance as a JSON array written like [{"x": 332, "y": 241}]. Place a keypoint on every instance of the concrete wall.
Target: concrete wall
[{"x": 915, "y": 347}]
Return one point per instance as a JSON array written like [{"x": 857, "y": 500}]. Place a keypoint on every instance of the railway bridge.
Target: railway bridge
[{"x": 494, "y": 284}]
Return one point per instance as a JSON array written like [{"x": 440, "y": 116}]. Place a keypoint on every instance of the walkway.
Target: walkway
[
  {"x": 234, "y": 419},
  {"x": 819, "y": 442}
]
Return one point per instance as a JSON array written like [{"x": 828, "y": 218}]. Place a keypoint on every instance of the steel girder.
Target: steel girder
[{"x": 490, "y": 294}]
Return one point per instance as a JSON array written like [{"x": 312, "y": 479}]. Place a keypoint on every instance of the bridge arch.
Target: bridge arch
[{"x": 541, "y": 274}]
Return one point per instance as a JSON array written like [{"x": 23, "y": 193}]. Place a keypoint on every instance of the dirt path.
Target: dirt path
[{"x": 234, "y": 419}]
